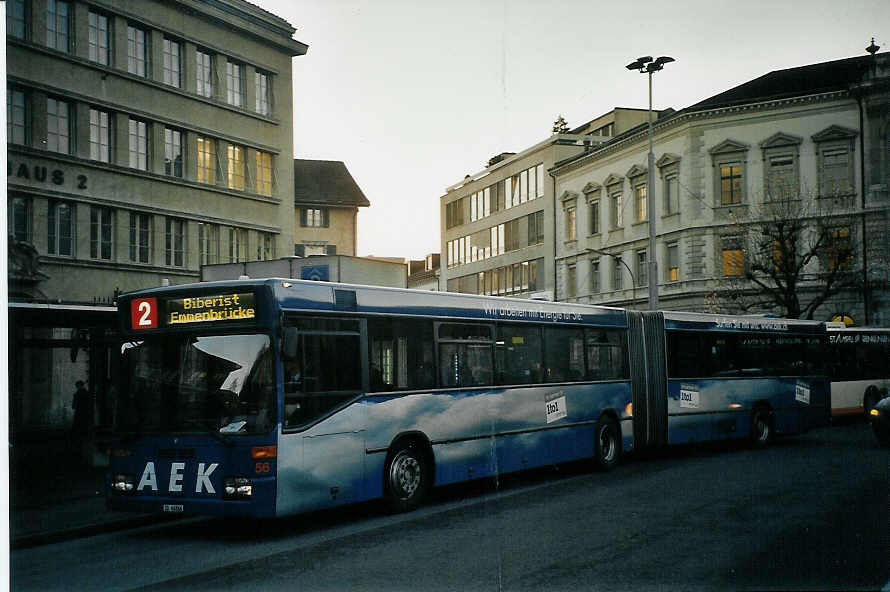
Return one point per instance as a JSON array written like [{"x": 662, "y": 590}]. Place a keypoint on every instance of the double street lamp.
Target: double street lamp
[{"x": 646, "y": 65}]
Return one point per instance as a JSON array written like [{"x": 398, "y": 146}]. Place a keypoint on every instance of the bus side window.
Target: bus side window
[
  {"x": 465, "y": 355},
  {"x": 329, "y": 370}
]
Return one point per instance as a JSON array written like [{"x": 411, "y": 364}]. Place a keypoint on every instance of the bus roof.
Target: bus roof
[{"x": 313, "y": 296}]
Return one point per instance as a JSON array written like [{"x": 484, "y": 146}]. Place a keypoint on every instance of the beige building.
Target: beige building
[
  {"x": 497, "y": 226},
  {"x": 145, "y": 138},
  {"x": 821, "y": 129},
  {"x": 327, "y": 199}
]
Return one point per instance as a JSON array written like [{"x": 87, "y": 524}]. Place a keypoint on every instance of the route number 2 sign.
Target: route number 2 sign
[{"x": 144, "y": 313}]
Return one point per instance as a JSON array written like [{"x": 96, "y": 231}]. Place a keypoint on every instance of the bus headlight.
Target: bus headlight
[
  {"x": 123, "y": 483},
  {"x": 237, "y": 488}
]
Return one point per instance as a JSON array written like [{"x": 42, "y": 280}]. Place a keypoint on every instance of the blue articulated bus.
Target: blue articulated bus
[{"x": 273, "y": 397}]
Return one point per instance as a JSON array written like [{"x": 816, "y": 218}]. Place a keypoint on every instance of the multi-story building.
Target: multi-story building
[
  {"x": 821, "y": 129},
  {"x": 497, "y": 226},
  {"x": 327, "y": 200},
  {"x": 145, "y": 138}
]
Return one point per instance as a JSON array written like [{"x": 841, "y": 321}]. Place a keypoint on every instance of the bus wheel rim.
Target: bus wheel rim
[{"x": 404, "y": 475}]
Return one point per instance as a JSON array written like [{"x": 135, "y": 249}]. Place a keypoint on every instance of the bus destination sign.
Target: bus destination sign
[{"x": 210, "y": 309}]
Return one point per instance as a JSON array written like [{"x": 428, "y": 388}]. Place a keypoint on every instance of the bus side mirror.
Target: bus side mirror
[{"x": 290, "y": 343}]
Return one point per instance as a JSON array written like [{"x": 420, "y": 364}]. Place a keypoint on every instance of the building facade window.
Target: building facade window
[
  {"x": 58, "y": 126},
  {"x": 642, "y": 268},
  {"x": 58, "y": 23},
  {"x": 206, "y": 160},
  {"x": 617, "y": 273},
  {"x": 234, "y": 84},
  {"x": 780, "y": 181},
  {"x": 138, "y": 136},
  {"x": 237, "y": 245},
  {"x": 98, "y": 38},
  {"x": 732, "y": 256},
  {"x": 137, "y": 56},
  {"x": 672, "y": 270},
  {"x": 263, "y": 173},
  {"x": 265, "y": 248},
  {"x": 17, "y": 20},
  {"x": 835, "y": 172},
  {"x": 731, "y": 188},
  {"x": 263, "y": 93},
  {"x": 19, "y": 218},
  {"x": 101, "y": 232},
  {"x": 174, "y": 242},
  {"x": 314, "y": 217},
  {"x": 16, "y": 116},
  {"x": 535, "y": 229},
  {"x": 780, "y": 161},
  {"x": 595, "y": 216},
  {"x": 140, "y": 237},
  {"x": 204, "y": 73},
  {"x": 671, "y": 193},
  {"x": 172, "y": 63},
  {"x": 570, "y": 223},
  {"x": 571, "y": 280},
  {"x": 839, "y": 249},
  {"x": 208, "y": 243},
  {"x": 835, "y": 161},
  {"x": 100, "y": 135},
  {"x": 616, "y": 209},
  {"x": 235, "y": 167},
  {"x": 172, "y": 152},
  {"x": 60, "y": 229},
  {"x": 641, "y": 203},
  {"x": 595, "y": 276}
]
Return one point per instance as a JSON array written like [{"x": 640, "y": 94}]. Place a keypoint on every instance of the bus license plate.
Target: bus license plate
[{"x": 173, "y": 508}]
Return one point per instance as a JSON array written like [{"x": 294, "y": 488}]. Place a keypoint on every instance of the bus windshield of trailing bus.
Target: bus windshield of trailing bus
[{"x": 217, "y": 384}]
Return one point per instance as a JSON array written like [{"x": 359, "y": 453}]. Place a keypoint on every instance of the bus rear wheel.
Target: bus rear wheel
[
  {"x": 406, "y": 478},
  {"x": 761, "y": 427},
  {"x": 606, "y": 444},
  {"x": 872, "y": 396}
]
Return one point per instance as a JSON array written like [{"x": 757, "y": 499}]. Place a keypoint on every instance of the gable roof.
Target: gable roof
[{"x": 326, "y": 182}]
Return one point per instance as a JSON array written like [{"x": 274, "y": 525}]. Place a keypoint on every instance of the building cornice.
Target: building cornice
[{"x": 640, "y": 133}]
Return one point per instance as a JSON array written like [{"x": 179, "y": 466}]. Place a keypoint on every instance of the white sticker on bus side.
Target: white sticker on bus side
[
  {"x": 802, "y": 393},
  {"x": 689, "y": 398},
  {"x": 556, "y": 406}
]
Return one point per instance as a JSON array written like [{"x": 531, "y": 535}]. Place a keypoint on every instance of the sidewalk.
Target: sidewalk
[{"x": 56, "y": 496}]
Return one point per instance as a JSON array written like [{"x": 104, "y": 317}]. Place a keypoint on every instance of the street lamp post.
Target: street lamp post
[{"x": 646, "y": 65}]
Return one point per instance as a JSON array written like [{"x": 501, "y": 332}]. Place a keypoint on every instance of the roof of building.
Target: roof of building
[
  {"x": 793, "y": 82},
  {"x": 326, "y": 182}
]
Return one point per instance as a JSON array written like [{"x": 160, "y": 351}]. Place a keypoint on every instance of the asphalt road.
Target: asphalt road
[{"x": 810, "y": 513}]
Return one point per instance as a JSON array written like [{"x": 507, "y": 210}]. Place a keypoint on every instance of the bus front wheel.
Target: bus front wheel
[
  {"x": 606, "y": 444},
  {"x": 406, "y": 478}
]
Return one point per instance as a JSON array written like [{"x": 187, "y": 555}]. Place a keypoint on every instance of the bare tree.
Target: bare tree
[{"x": 795, "y": 252}]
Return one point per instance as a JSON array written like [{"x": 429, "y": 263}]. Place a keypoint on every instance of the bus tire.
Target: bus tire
[
  {"x": 762, "y": 429},
  {"x": 606, "y": 444},
  {"x": 406, "y": 477},
  {"x": 872, "y": 396}
]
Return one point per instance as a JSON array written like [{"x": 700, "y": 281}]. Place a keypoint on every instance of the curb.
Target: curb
[{"x": 46, "y": 538}]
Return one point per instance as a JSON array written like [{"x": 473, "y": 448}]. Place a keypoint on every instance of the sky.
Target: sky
[{"x": 412, "y": 95}]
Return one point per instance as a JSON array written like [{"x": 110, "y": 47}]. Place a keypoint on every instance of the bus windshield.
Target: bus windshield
[{"x": 221, "y": 384}]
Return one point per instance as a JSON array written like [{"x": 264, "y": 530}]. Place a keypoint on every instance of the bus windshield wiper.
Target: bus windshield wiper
[{"x": 213, "y": 430}]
